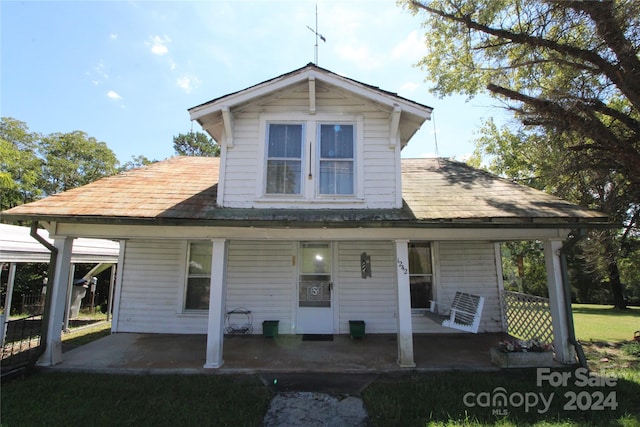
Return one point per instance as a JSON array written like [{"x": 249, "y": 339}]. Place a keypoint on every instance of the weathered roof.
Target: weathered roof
[{"x": 183, "y": 190}]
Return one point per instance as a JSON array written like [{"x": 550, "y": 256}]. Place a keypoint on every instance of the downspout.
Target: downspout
[
  {"x": 46, "y": 315},
  {"x": 566, "y": 247}
]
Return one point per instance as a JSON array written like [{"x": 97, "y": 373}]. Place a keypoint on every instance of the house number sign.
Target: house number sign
[{"x": 402, "y": 267}]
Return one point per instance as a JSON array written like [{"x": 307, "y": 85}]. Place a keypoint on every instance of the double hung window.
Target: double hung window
[
  {"x": 284, "y": 159},
  {"x": 198, "y": 276},
  {"x": 336, "y": 163},
  {"x": 420, "y": 274}
]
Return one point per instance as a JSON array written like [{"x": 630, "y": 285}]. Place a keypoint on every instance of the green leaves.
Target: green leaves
[{"x": 195, "y": 144}]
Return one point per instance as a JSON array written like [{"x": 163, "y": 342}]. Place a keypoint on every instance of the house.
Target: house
[{"x": 309, "y": 217}]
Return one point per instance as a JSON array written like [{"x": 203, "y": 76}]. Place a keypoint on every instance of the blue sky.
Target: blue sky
[{"x": 126, "y": 72}]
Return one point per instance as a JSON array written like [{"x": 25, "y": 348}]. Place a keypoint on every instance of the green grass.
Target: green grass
[
  {"x": 433, "y": 399},
  {"x": 63, "y": 399},
  {"x": 439, "y": 399},
  {"x": 602, "y": 323}
]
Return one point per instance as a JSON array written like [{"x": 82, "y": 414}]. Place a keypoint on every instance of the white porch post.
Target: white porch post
[
  {"x": 565, "y": 353},
  {"x": 57, "y": 285},
  {"x": 405, "y": 329},
  {"x": 7, "y": 301},
  {"x": 217, "y": 301}
]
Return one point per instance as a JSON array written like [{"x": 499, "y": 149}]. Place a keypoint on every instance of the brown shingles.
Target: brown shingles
[{"x": 186, "y": 188}]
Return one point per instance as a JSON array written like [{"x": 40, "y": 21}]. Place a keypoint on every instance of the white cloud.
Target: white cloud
[
  {"x": 113, "y": 36},
  {"x": 113, "y": 95},
  {"x": 359, "y": 54},
  {"x": 187, "y": 83},
  {"x": 159, "y": 45},
  {"x": 409, "y": 86},
  {"x": 412, "y": 48}
]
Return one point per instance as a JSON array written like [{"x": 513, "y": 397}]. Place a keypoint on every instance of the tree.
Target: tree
[
  {"x": 570, "y": 73},
  {"x": 195, "y": 144},
  {"x": 74, "y": 159},
  {"x": 19, "y": 164},
  {"x": 136, "y": 162}
]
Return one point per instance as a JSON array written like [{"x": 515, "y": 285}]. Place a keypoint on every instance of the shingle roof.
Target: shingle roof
[{"x": 183, "y": 190}]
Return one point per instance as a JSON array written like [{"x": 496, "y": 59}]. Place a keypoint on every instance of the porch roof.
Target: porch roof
[{"x": 183, "y": 191}]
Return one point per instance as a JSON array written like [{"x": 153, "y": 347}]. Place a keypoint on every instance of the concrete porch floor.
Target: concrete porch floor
[{"x": 168, "y": 353}]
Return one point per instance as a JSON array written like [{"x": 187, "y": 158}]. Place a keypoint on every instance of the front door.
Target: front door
[{"x": 315, "y": 289}]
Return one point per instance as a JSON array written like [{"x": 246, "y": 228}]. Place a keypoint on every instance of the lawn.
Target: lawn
[
  {"x": 602, "y": 323},
  {"x": 437, "y": 399}
]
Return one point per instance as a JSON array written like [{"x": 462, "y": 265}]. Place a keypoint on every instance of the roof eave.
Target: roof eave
[
  {"x": 305, "y": 73},
  {"x": 480, "y": 223}
]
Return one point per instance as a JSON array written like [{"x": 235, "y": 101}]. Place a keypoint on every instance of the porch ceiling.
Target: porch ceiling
[{"x": 183, "y": 191}]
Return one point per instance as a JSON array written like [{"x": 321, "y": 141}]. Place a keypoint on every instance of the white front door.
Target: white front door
[{"x": 315, "y": 289}]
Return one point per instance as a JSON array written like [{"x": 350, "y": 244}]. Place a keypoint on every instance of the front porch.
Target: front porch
[{"x": 167, "y": 353}]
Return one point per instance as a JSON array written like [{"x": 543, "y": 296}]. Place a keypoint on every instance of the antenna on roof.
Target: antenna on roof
[{"x": 318, "y": 35}]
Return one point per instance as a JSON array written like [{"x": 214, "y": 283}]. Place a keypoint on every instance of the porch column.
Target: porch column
[
  {"x": 405, "y": 329},
  {"x": 565, "y": 353},
  {"x": 7, "y": 301},
  {"x": 217, "y": 301},
  {"x": 58, "y": 287}
]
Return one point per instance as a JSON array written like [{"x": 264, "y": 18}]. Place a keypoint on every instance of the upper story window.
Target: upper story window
[
  {"x": 284, "y": 159},
  {"x": 336, "y": 160},
  {"x": 311, "y": 158}
]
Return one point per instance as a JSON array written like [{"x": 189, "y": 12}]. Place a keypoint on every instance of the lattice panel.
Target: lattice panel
[{"x": 527, "y": 316}]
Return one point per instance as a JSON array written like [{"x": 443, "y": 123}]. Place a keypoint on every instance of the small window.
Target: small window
[
  {"x": 198, "y": 276},
  {"x": 420, "y": 274},
  {"x": 284, "y": 159},
  {"x": 337, "y": 159}
]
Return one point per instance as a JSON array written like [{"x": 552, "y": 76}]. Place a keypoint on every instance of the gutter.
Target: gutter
[
  {"x": 46, "y": 315},
  {"x": 566, "y": 247}
]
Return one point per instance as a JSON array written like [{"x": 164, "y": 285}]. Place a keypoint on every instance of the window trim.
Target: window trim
[
  {"x": 310, "y": 186},
  {"x": 267, "y": 158},
  {"x": 320, "y": 159},
  {"x": 433, "y": 273},
  {"x": 183, "y": 301}
]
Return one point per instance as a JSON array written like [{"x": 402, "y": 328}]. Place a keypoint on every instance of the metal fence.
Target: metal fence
[
  {"x": 21, "y": 346},
  {"x": 527, "y": 316}
]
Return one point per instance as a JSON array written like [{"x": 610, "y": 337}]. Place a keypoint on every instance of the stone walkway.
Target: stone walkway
[{"x": 313, "y": 409}]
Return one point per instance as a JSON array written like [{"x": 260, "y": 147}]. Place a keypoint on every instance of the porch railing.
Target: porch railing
[{"x": 527, "y": 316}]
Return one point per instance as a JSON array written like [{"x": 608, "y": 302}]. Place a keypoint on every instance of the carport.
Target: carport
[{"x": 18, "y": 246}]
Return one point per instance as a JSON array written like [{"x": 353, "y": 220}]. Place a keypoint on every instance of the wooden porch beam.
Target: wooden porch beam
[
  {"x": 394, "y": 126},
  {"x": 227, "y": 119},
  {"x": 312, "y": 94}
]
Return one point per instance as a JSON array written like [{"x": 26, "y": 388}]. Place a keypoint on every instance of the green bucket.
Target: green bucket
[
  {"x": 356, "y": 328},
  {"x": 270, "y": 328}
]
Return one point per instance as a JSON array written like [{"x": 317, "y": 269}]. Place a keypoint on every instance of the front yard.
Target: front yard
[{"x": 558, "y": 398}]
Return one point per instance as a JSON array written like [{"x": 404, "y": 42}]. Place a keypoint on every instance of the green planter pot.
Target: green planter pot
[
  {"x": 270, "y": 328},
  {"x": 356, "y": 329}
]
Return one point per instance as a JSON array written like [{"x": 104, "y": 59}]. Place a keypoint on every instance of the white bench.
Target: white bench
[{"x": 464, "y": 313}]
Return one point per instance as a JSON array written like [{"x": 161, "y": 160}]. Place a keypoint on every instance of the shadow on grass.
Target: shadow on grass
[
  {"x": 600, "y": 310},
  {"x": 503, "y": 398}
]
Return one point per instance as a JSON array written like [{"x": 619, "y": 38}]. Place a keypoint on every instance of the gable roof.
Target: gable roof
[
  {"x": 183, "y": 190},
  {"x": 209, "y": 114}
]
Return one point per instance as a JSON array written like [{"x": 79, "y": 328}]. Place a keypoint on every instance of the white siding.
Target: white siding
[
  {"x": 152, "y": 282},
  {"x": 372, "y": 299},
  {"x": 244, "y": 163},
  {"x": 261, "y": 278},
  {"x": 466, "y": 267}
]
